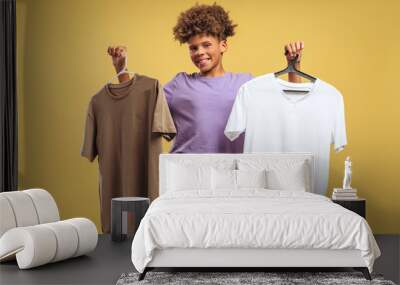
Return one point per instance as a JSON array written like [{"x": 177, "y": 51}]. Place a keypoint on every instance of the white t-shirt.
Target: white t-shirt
[{"x": 274, "y": 121}]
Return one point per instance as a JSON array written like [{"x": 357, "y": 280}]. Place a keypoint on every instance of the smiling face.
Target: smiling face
[{"x": 206, "y": 52}]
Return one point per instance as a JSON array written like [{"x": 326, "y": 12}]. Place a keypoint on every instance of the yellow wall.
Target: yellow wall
[{"x": 62, "y": 62}]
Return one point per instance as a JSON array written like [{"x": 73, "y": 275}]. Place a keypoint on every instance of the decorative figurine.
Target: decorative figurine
[{"x": 347, "y": 174}]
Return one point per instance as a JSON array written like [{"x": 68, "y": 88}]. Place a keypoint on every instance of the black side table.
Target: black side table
[
  {"x": 119, "y": 208},
  {"x": 357, "y": 205}
]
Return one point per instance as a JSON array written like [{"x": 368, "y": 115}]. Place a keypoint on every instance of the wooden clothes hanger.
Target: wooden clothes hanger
[
  {"x": 292, "y": 68},
  {"x": 124, "y": 70}
]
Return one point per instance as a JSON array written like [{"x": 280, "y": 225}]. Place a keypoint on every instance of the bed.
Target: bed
[{"x": 248, "y": 210}]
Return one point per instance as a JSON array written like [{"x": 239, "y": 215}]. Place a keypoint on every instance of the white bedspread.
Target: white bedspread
[{"x": 250, "y": 218}]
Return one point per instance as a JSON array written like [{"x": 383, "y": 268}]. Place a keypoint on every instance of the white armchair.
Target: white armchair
[{"x": 31, "y": 230}]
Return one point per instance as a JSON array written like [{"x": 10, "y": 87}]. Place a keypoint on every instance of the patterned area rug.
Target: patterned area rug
[{"x": 243, "y": 278}]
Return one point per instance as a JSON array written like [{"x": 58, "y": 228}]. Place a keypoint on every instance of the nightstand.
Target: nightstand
[
  {"x": 357, "y": 205},
  {"x": 119, "y": 211}
]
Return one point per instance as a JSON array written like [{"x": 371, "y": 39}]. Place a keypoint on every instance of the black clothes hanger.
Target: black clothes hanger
[{"x": 291, "y": 68}]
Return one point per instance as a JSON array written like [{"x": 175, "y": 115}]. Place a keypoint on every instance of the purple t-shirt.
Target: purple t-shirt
[{"x": 200, "y": 107}]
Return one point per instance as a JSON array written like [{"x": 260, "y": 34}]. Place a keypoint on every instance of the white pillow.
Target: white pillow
[
  {"x": 293, "y": 179},
  {"x": 282, "y": 174},
  {"x": 251, "y": 178},
  {"x": 188, "y": 177},
  {"x": 223, "y": 179}
]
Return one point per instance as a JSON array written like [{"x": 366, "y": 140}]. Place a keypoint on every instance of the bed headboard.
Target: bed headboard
[{"x": 227, "y": 160}]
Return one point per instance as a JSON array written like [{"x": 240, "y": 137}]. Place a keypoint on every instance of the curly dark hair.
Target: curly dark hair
[{"x": 211, "y": 20}]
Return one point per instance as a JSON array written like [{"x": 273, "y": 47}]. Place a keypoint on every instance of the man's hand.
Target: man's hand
[
  {"x": 118, "y": 55},
  {"x": 294, "y": 49}
]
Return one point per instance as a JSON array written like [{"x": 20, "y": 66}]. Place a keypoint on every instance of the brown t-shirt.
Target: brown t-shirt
[{"x": 124, "y": 126}]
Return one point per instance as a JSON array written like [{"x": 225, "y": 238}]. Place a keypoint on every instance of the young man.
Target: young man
[{"x": 200, "y": 103}]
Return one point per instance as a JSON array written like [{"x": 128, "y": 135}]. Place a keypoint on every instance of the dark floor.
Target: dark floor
[
  {"x": 389, "y": 262},
  {"x": 110, "y": 260},
  {"x": 102, "y": 266}
]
